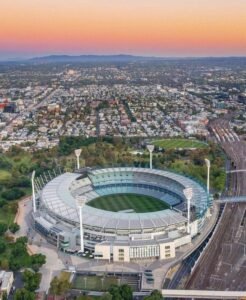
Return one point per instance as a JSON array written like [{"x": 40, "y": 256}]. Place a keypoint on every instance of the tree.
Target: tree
[
  {"x": 5, "y": 264},
  {"x": 155, "y": 295},
  {"x": 14, "y": 227},
  {"x": 31, "y": 280},
  {"x": 2, "y": 245},
  {"x": 3, "y": 228},
  {"x": 3, "y": 203},
  {"x": 126, "y": 292},
  {"x": 37, "y": 261},
  {"x": 19, "y": 249},
  {"x": 115, "y": 292},
  {"x": 4, "y": 296},
  {"x": 59, "y": 286},
  {"x": 106, "y": 296},
  {"x": 23, "y": 294},
  {"x": 13, "y": 194}
]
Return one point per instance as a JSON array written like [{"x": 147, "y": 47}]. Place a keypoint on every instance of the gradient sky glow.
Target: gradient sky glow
[{"x": 146, "y": 27}]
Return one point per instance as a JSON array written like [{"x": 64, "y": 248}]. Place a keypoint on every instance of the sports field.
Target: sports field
[
  {"x": 137, "y": 203},
  {"x": 179, "y": 143},
  {"x": 94, "y": 283}
]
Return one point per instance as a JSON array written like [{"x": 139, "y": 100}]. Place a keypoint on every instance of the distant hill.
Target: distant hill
[
  {"x": 132, "y": 58},
  {"x": 209, "y": 61},
  {"x": 91, "y": 58}
]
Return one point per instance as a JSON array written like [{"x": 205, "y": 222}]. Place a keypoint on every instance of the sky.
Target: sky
[{"x": 143, "y": 27}]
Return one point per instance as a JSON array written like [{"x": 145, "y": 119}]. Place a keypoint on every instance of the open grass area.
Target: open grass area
[
  {"x": 4, "y": 175},
  {"x": 94, "y": 283},
  {"x": 137, "y": 203},
  {"x": 8, "y": 212},
  {"x": 179, "y": 143}
]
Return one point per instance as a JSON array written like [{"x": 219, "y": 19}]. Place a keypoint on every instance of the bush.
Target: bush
[
  {"x": 24, "y": 294},
  {"x": 31, "y": 280},
  {"x": 14, "y": 227},
  {"x": 13, "y": 194},
  {"x": 3, "y": 228},
  {"x": 19, "y": 181},
  {"x": 2, "y": 245},
  {"x": 2, "y": 203}
]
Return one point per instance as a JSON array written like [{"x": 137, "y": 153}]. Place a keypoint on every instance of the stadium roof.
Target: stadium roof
[{"x": 58, "y": 199}]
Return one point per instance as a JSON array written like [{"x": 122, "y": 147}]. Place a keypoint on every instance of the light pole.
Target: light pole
[
  {"x": 188, "y": 195},
  {"x": 150, "y": 149},
  {"x": 207, "y": 161},
  {"x": 77, "y": 154},
  {"x": 33, "y": 193},
  {"x": 80, "y": 203}
]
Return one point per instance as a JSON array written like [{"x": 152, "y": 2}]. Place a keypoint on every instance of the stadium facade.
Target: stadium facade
[{"x": 123, "y": 235}]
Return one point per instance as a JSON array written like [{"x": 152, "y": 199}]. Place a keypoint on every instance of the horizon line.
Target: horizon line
[{"x": 40, "y": 56}]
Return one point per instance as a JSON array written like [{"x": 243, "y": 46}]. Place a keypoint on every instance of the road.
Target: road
[{"x": 44, "y": 101}]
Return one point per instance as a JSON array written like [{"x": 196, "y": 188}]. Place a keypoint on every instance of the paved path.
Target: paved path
[{"x": 37, "y": 244}]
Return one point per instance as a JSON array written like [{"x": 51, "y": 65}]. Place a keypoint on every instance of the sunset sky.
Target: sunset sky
[{"x": 145, "y": 27}]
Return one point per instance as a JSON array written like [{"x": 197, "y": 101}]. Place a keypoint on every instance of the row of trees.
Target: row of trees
[
  {"x": 15, "y": 256},
  {"x": 31, "y": 281},
  {"x": 102, "y": 152}
]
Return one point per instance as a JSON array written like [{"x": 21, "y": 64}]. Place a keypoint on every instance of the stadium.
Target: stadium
[{"x": 120, "y": 213}]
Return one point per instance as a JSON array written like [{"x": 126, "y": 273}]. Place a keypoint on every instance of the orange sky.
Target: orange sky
[{"x": 150, "y": 27}]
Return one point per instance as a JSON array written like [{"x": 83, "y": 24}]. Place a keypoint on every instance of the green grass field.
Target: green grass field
[
  {"x": 138, "y": 203},
  {"x": 4, "y": 176},
  {"x": 179, "y": 143},
  {"x": 94, "y": 283}
]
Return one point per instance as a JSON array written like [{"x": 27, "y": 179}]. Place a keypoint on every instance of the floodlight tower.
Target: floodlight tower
[
  {"x": 188, "y": 195},
  {"x": 77, "y": 154},
  {"x": 207, "y": 161},
  {"x": 150, "y": 149},
  {"x": 80, "y": 203},
  {"x": 33, "y": 193}
]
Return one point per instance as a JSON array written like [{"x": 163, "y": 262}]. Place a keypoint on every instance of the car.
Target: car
[{"x": 149, "y": 275}]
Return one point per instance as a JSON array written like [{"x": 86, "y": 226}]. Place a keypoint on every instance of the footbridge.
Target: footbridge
[
  {"x": 236, "y": 171},
  {"x": 232, "y": 199},
  {"x": 203, "y": 294}
]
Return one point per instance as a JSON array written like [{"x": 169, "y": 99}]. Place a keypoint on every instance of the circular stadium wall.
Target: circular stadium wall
[{"x": 120, "y": 235}]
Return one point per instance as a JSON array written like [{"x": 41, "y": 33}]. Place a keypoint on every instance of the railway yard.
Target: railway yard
[{"x": 222, "y": 265}]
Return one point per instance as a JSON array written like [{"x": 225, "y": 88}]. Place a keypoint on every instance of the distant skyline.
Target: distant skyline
[{"x": 177, "y": 28}]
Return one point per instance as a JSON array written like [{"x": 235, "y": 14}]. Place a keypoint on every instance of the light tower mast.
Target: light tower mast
[
  {"x": 150, "y": 149},
  {"x": 77, "y": 154},
  {"x": 80, "y": 203},
  {"x": 188, "y": 195},
  {"x": 208, "y": 164},
  {"x": 33, "y": 193}
]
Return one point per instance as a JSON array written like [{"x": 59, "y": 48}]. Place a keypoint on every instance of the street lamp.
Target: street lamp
[
  {"x": 150, "y": 149},
  {"x": 80, "y": 203},
  {"x": 207, "y": 161},
  {"x": 188, "y": 192},
  {"x": 77, "y": 154},
  {"x": 33, "y": 193}
]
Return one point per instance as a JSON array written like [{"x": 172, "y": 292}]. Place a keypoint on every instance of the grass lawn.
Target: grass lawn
[
  {"x": 118, "y": 202},
  {"x": 4, "y": 175},
  {"x": 94, "y": 283},
  {"x": 179, "y": 143},
  {"x": 7, "y": 212}
]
